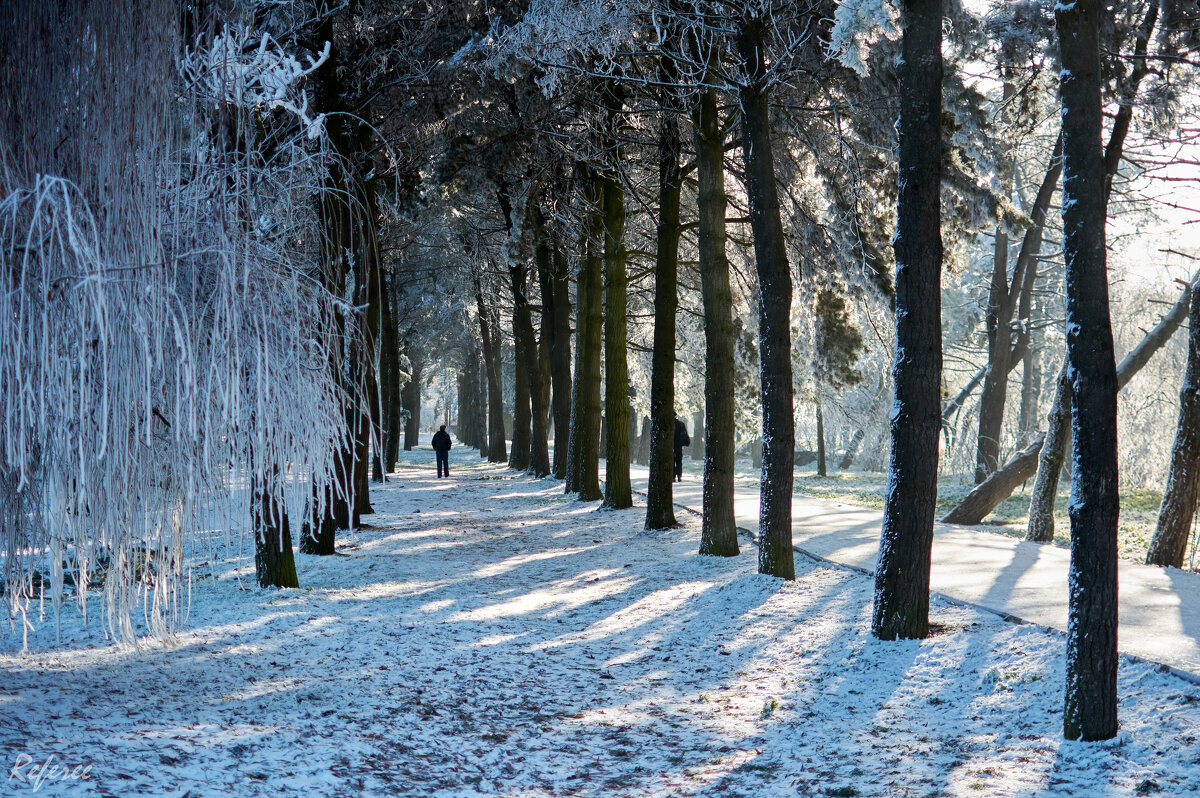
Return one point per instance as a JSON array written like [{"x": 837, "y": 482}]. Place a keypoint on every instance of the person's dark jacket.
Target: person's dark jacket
[
  {"x": 681, "y": 436},
  {"x": 441, "y": 441}
]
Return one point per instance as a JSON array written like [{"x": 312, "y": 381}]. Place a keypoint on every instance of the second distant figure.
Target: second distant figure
[
  {"x": 441, "y": 447},
  {"x": 681, "y": 440}
]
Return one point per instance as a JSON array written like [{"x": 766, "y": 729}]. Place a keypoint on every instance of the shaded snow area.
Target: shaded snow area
[{"x": 489, "y": 635}]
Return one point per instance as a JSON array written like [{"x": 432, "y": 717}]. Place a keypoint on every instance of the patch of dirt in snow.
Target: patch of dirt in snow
[{"x": 510, "y": 640}]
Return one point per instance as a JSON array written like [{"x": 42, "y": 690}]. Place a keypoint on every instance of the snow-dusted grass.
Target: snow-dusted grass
[
  {"x": 1139, "y": 506},
  {"x": 489, "y": 635}
]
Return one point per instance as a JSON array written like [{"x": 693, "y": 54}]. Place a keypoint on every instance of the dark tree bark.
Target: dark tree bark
[
  {"x": 995, "y": 379},
  {"x": 1020, "y": 292},
  {"x": 618, "y": 491},
  {"x": 560, "y": 358},
  {"x": 583, "y": 462},
  {"x": 392, "y": 390},
  {"x": 1091, "y": 691},
  {"x": 985, "y": 498},
  {"x": 1054, "y": 452},
  {"x": 411, "y": 394},
  {"x": 999, "y": 485},
  {"x": 1005, "y": 300},
  {"x": 821, "y": 471},
  {"x": 479, "y": 401},
  {"x": 329, "y": 509},
  {"x": 902, "y": 576},
  {"x": 643, "y": 452},
  {"x": 660, "y": 510},
  {"x": 774, "y": 311},
  {"x": 518, "y": 453},
  {"x": 1170, "y": 540},
  {"x": 489, "y": 333},
  {"x": 1058, "y": 434},
  {"x": 274, "y": 562},
  {"x": 538, "y": 460}
]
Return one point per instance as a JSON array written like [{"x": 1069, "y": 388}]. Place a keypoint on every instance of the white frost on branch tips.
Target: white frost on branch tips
[
  {"x": 564, "y": 38},
  {"x": 858, "y": 25},
  {"x": 233, "y": 70},
  {"x": 164, "y": 345}
]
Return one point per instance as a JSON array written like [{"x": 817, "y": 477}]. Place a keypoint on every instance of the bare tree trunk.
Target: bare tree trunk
[
  {"x": 583, "y": 461},
  {"x": 1045, "y": 486},
  {"x": 1170, "y": 540},
  {"x": 902, "y": 575},
  {"x": 660, "y": 511},
  {"x": 821, "y": 471},
  {"x": 852, "y": 450},
  {"x": 999, "y": 485},
  {"x": 1090, "y": 710},
  {"x": 618, "y": 491},
  {"x": 274, "y": 562},
  {"x": 392, "y": 391},
  {"x": 412, "y": 398},
  {"x": 718, "y": 531},
  {"x": 774, "y": 310},
  {"x": 490, "y": 334},
  {"x": 1054, "y": 451},
  {"x": 518, "y": 455},
  {"x": 560, "y": 359}
]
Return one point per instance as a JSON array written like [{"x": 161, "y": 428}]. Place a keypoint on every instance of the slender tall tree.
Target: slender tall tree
[
  {"x": 660, "y": 512},
  {"x": 906, "y": 542},
  {"x": 718, "y": 531},
  {"x": 559, "y": 291},
  {"x": 774, "y": 309},
  {"x": 489, "y": 332},
  {"x": 583, "y": 454},
  {"x": 1091, "y": 692},
  {"x": 618, "y": 491}
]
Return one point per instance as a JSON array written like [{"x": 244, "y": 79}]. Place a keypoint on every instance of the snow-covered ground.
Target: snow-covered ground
[{"x": 489, "y": 635}]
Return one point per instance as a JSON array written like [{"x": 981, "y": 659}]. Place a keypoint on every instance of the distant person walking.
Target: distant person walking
[
  {"x": 681, "y": 440},
  {"x": 441, "y": 447}
]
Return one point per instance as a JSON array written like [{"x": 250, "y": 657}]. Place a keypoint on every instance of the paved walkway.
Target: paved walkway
[{"x": 1159, "y": 607}]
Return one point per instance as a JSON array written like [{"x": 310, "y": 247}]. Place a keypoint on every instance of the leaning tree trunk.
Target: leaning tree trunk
[
  {"x": 660, "y": 511},
  {"x": 490, "y": 334},
  {"x": 1169, "y": 543},
  {"x": 583, "y": 461},
  {"x": 774, "y": 311},
  {"x": 902, "y": 575},
  {"x": 618, "y": 492},
  {"x": 1058, "y": 435},
  {"x": 1045, "y": 485},
  {"x": 852, "y": 450},
  {"x": 999, "y": 485},
  {"x": 1090, "y": 708}
]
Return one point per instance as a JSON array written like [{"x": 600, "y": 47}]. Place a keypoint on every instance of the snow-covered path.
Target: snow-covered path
[{"x": 492, "y": 636}]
